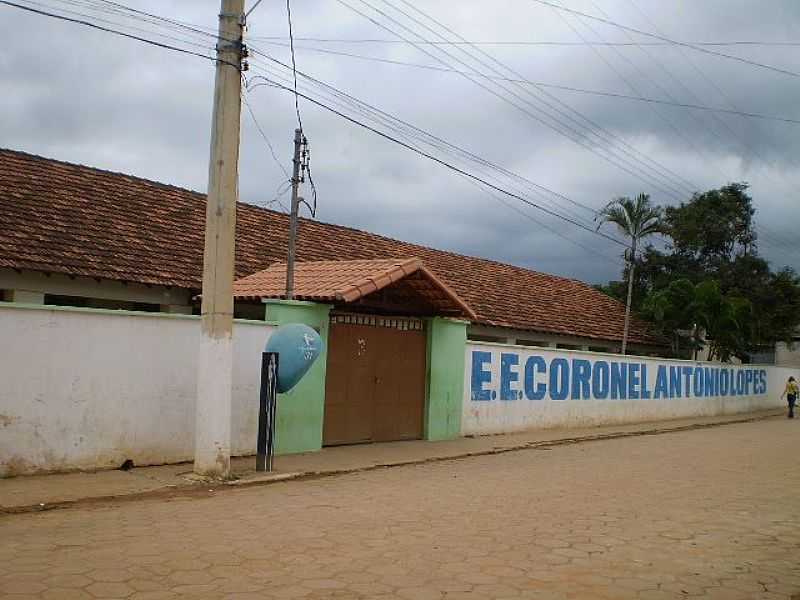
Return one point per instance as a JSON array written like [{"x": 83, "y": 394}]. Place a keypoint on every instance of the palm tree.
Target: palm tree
[{"x": 637, "y": 219}]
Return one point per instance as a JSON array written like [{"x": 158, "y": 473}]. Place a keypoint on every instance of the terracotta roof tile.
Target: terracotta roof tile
[{"x": 66, "y": 218}]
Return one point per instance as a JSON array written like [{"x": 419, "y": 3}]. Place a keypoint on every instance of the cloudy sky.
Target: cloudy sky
[{"x": 87, "y": 96}]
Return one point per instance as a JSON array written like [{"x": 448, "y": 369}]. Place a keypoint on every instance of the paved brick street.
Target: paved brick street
[{"x": 708, "y": 513}]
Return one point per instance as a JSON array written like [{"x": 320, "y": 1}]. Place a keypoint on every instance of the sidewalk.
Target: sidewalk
[{"x": 44, "y": 492}]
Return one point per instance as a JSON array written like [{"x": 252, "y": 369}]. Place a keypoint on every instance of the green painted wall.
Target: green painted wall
[
  {"x": 300, "y": 411},
  {"x": 447, "y": 341}
]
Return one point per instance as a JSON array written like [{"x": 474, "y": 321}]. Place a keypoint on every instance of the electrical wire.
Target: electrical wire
[
  {"x": 610, "y": 147},
  {"x": 546, "y": 119},
  {"x": 264, "y": 136},
  {"x": 565, "y": 88},
  {"x": 88, "y": 6},
  {"x": 430, "y": 139},
  {"x": 255, "y": 6},
  {"x": 114, "y": 31},
  {"x": 668, "y": 40},
  {"x": 166, "y": 46},
  {"x": 445, "y": 163},
  {"x": 680, "y": 83},
  {"x": 294, "y": 63},
  {"x": 749, "y": 149},
  {"x": 661, "y": 172},
  {"x": 179, "y": 49},
  {"x": 591, "y": 251},
  {"x": 519, "y": 42}
]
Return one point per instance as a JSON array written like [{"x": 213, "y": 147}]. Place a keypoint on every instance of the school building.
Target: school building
[{"x": 100, "y": 275}]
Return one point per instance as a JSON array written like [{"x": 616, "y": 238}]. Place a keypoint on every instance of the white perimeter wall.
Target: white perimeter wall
[
  {"x": 82, "y": 389},
  {"x": 487, "y": 382}
]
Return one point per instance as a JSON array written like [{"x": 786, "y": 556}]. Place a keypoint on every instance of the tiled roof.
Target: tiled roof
[
  {"x": 348, "y": 281},
  {"x": 66, "y": 218}
]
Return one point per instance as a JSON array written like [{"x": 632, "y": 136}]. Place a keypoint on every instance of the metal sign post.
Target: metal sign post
[{"x": 267, "y": 411}]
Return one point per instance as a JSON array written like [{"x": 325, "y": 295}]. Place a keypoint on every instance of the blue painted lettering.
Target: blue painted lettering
[
  {"x": 724, "y": 382},
  {"x": 687, "y": 380},
  {"x": 645, "y": 383},
  {"x": 508, "y": 376},
  {"x": 619, "y": 381},
  {"x": 748, "y": 381},
  {"x": 662, "y": 383},
  {"x": 674, "y": 382},
  {"x": 634, "y": 381},
  {"x": 697, "y": 382},
  {"x": 533, "y": 390},
  {"x": 559, "y": 379},
  {"x": 581, "y": 373},
  {"x": 600, "y": 378},
  {"x": 481, "y": 376}
]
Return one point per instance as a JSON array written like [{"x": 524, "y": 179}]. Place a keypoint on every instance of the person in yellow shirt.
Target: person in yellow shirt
[{"x": 790, "y": 393}]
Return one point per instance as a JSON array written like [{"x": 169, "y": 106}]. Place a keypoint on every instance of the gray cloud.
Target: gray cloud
[{"x": 89, "y": 97}]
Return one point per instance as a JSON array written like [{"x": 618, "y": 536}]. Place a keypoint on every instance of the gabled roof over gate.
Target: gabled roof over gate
[{"x": 357, "y": 281}]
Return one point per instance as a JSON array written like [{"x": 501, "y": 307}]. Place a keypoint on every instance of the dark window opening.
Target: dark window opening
[
  {"x": 253, "y": 311},
  {"x": 83, "y": 302},
  {"x": 531, "y": 343},
  {"x": 567, "y": 347},
  {"x": 474, "y": 337}
]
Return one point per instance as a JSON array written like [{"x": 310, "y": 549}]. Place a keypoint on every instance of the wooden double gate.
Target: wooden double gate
[{"x": 375, "y": 381}]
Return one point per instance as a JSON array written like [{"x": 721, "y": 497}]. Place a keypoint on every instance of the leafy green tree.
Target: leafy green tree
[
  {"x": 712, "y": 237},
  {"x": 724, "y": 320},
  {"x": 637, "y": 219},
  {"x": 667, "y": 310},
  {"x": 695, "y": 315},
  {"x": 714, "y": 227}
]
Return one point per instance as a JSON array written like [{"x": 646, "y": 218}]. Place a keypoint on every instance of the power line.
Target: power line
[
  {"x": 206, "y": 31},
  {"x": 445, "y": 163},
  {"x": 264, "y": 135},
  {"x": 680, "y": 83},
  {"x": 518, "y": 42},
  {"x": 659, "y": 170},
  {"x": 203, "y": 56},
  {"x": 428, "y": 137},
  {"x": 113, "y": 31},
  {"x": 749, "y": 149},
  {"x": 87, "y": 5},
  {"x": 294, "y": 64},
  {"x": 255, "y": 6},
  {"x": 553, "y": 230},
  {"x": 412, "y": 133},
  {"x": 545, "y": 119},
  {"x": 554, "y": 86},
  {"x": 666, "y": 39}
]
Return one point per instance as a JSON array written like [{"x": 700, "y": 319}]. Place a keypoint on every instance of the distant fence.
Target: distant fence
[
  {"x": 88, "y": 389},
  {"x": 511, "y": 388}
]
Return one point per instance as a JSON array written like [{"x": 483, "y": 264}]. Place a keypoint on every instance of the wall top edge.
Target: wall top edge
[
  {"x": 119, "y": 313},
  {"x": 617, "y": 356}
]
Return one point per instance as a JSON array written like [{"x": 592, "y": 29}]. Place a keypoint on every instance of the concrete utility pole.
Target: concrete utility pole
[
  {"x": 212, "y": 442},
  {"x": 296, "y": 175}
]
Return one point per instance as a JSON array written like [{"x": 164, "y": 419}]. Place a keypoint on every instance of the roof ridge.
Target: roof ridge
[
  {"x": 401, "y": 267},
  {"x": 243, "y": 204},
  {"x": 102, "y": 171}
]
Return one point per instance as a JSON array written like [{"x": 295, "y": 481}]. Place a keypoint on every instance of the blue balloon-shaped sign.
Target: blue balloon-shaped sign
[{"x": 298, "y": 346}]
